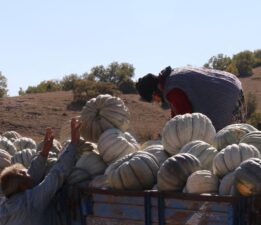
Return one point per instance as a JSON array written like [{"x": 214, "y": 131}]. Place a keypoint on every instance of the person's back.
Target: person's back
[
  {"x": 214, "y": 93},
  {"x": 211, "y": 92}
]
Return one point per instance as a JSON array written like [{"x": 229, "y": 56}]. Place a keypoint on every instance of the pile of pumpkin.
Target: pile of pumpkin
[{"x": 190, "y": 157}]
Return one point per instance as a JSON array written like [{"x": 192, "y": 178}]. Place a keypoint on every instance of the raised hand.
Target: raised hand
[
  {"x": 75, "y": 131},
  {"x": 48, "y": 142}
]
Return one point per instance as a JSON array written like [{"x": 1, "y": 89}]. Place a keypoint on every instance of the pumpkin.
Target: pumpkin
[
  {"x": 100, "y": 182},
  {"x": 24, "y": 157},
  {"x": 88, "y": 166},
  {"x": 149, "y": 143},
  {"x": 231, "y": 134},
  {"x": 202, "y": 181},
  {"x": 252, "y": 138},
  {"x": 135, "y": 171},
  {"x": 102, "y": 113},
  {"x": 24, "y": 142},
  {"x": 174, "y": 172},
  {"x": 229, "y": 158},
  {"x": 182, "y": 129},
  {"x": 203, "y": 151},
  {"x": 5, "y": 159},
  {"x": 81, "y": 148},
  {"x": 114, "y": 144},
  {"x": 158, "y": 151},
  {"x": 226, "y": 186},
  {"x": 11, "y": 135},
  {"x": 248, "y": 177},
  {"x": 7, "y": 145},
  {"x": 56, "y": 148}
]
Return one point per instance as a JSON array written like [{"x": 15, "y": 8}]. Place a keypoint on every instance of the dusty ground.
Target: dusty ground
[{"x": 29, "y": 115}]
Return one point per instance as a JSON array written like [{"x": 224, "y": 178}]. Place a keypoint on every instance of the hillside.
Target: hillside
[
  {"x": 253, "y": 85},
  {"x": 31, "y": 114}
]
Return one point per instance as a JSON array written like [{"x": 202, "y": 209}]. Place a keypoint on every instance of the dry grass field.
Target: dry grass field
[{"x": 31, "y": 114}]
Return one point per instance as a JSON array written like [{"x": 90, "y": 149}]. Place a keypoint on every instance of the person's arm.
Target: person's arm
[
  {"x": 40, "y": 196},
  {"x": 38, "y": 164},
  {"x": 179, "y": 102}
]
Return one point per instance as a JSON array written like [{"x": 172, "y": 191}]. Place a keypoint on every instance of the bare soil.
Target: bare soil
[{"x": 31, "y": 114}]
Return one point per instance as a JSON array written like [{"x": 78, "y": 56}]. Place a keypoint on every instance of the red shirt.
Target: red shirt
[{"x": 179, "y": 102}]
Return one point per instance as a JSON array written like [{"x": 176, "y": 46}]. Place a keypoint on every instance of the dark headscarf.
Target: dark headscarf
[{"x": 146, "y": 86}]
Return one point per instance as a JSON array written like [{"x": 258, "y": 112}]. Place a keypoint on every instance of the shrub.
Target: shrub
[
  {"x": 255, "y": 120},
  {"x": 44, "y": 86},
  {"x": 87, "y": 89},
  {"x": 128, "y": 87}
]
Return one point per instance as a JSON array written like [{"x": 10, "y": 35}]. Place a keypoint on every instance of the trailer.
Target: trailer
[{"x": 113, "y": 207}]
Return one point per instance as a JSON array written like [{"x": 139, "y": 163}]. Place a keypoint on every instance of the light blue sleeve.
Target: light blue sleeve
[
  {"x": 40, "y": 196},
  {"x": 37, "y": 168}
]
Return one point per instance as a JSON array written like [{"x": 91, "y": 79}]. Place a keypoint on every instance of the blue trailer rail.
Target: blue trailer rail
[{"x": 110, "y": 207}]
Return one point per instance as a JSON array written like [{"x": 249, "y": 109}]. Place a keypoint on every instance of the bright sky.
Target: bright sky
[{"x": 44, "y": 40}]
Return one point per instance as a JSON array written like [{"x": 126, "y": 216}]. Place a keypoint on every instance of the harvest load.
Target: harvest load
[{"x": 189, "y": 157}]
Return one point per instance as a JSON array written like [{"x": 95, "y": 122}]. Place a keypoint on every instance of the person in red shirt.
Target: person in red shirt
[{"x": 217, "y": 94}]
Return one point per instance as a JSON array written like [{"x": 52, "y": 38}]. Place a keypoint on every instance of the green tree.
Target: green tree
[
  {"x": 219, "y": 62},
  {"x": 257, "y": 55},
  {"x": 44, "y": 86},
  {"x": 68, "y": 82},
  {"x": 115, "y": 73},
  {"x": 244, "y": 62},
  {"x": 232, "y": 69},
  {"x": 3, "y": 85}
]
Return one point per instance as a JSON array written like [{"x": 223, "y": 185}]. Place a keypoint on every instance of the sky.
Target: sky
[{"x": 47, "y": 40}]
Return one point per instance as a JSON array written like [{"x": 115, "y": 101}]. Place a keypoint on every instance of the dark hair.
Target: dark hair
[{"x": 146, "y": 86}]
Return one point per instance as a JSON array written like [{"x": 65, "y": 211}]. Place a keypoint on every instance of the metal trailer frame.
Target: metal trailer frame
[{"x": 114, "y": 207}]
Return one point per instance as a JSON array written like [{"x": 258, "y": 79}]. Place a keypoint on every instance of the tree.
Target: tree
[
  {"x": 115, "y": 73},
  {"x": 232, "y": 69},
  {"x": 257, "y": 55},
  {"x": 244, "y": 62},
  {"x": 219, "y": 62},
  {"x": 3, "y": 85},
  {"x": 68, "y": 82},
  {"x": 44, "y": 86}
]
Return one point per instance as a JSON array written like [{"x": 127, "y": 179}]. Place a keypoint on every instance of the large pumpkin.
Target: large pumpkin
[
  {"x": 5, "y": 159},
  {"x": 231, "y": 134},
  {"x": 226, "y": 186},
  {"x": 102, "y": 113},
  {"x": 158, "y": 151},
  {"x": 82, "y": 147},
  {"x": 202, "y": 181},
  {"x": 87, "y": 167},
  {"x": 114, "y": 144},
  {"x": 135, "y": 171},
  {"x": 174, "y": 172},
  {"x": 252, "y": 138},
  {"x": 24, "y": 157},
  {"x": 203, "y": 151},
  {"x": 149, "y": 143},
  {"x": 11, "y": 135},
  {"x": 100, "y": 182},
  {"x": 24, "y": 142},
  {"x": 7, "y": 145},
  {"x": 248, "y": 177},
  {"x": 229, "y": 158},
  {"x": 185, "y": 128}
]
